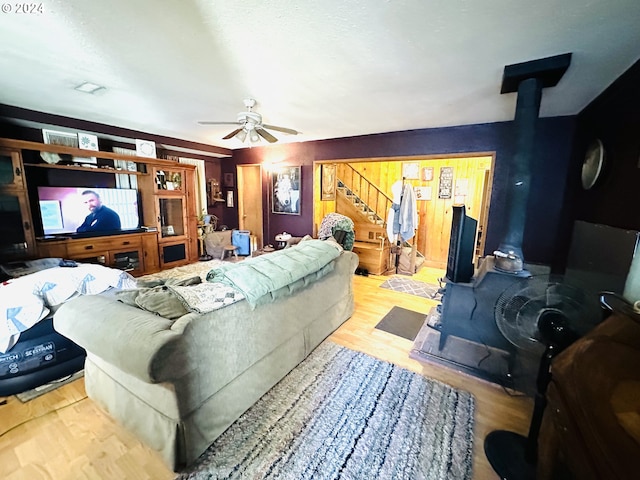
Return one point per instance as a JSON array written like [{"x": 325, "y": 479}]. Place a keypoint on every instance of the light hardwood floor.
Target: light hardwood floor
[{"x": 64, "y": 435}]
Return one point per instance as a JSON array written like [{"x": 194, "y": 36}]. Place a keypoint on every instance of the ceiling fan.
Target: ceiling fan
[{"x": 250, "y": 124}]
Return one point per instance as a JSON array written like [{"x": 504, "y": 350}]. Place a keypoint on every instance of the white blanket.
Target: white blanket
[{"x": 26, "y": 300}]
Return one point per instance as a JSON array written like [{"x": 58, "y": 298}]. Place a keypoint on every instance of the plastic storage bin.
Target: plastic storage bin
[{"x": 242, "y": 240}]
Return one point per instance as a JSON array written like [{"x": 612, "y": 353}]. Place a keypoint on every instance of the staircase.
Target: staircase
[
  {"x": 359, "y": 206},
  {"x": 367, "y": 206},
  {"x": 369, "y": 200}
]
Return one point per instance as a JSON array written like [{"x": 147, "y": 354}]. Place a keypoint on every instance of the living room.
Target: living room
[{"x": 557, "y": 200}]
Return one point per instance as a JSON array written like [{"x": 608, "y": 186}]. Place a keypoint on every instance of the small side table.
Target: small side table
[
  {"x": 229, "y": 249},
  {"x": 281, "y": 240},
  {"x": 262, "y": 251}
]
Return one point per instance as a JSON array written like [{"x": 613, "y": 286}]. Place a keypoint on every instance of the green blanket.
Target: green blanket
[{"x": 278, "y": 273}]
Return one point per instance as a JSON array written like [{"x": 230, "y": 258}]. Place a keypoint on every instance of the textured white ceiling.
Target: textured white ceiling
[{"x": 332, "y": 68}]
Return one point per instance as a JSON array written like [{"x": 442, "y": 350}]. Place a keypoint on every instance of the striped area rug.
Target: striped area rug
[{"x": 342, "y": 414}]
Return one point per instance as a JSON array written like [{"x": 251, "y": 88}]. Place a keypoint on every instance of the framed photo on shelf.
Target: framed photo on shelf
[
  {"x": 54, "y": 137},
  {"x": 145, "y": 148},
  {"x": 285, "y": 190},
  {"x": 328, "y": 182},
  {"x": 88, "y": 141}
]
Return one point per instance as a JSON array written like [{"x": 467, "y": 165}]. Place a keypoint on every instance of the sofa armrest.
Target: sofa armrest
[{"x": 135, "y": 341}]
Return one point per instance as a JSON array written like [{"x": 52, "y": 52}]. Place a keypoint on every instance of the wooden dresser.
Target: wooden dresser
[
  {"x": 591, "y": 424},
  {"x": 133, "y": 252}
]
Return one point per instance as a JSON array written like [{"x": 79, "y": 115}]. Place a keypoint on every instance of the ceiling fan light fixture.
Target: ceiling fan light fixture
[
  {"x": 249, "y": 124},
  {"x": 241, "y": 135}
]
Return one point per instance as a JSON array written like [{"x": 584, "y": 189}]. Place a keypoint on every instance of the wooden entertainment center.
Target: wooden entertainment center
[{"x": 167, "y": 206}]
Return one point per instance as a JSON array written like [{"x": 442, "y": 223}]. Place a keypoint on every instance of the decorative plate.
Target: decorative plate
[{"x": 593, "y": 164}]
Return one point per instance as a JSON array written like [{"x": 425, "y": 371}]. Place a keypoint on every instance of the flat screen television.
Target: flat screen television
[
  {"x": 462, "y": 246},
  {"x": 84, "y": 211}
]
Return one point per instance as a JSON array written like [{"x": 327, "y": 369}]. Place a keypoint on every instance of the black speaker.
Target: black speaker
[{"x": 462, "y": 246}]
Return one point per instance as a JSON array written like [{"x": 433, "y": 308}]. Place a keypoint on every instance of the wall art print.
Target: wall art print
[
  {"x": 285, "y": 190},
  {"x": 328, "y": 175},
  {"x": 228, "y": 180},
  {"x": 426, "y": 174},
  {"x": 411, "y": 170},
  {"x": 445, "y": 187}
]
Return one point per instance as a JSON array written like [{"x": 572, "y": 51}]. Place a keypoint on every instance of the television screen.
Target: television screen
[
  {"x": 88, "y": 211},
  {"x": 462, "y": 245}
]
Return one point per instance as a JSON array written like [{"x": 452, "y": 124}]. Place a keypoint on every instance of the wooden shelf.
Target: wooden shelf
[
  {"x": 85, "y": 169},
  {"x": 154, "y": 251},
  {"x": 79, "y": 152}
]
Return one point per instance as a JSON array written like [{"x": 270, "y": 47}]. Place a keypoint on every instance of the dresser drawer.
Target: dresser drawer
[{"x": 78, "y": 247}]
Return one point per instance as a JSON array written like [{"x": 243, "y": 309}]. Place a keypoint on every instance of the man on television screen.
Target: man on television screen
[{"x": 101, "y": 218}]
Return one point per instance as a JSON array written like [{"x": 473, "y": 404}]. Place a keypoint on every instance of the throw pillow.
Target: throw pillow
[{"x": 161, "y": 301}]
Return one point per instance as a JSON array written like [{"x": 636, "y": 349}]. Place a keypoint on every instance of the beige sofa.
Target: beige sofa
[{"x": 178, "y": 384}]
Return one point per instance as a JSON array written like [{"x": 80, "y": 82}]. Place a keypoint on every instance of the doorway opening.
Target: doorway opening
[
  {"x": 439, "y": 181},
  {"x": 250, "y": 200}
]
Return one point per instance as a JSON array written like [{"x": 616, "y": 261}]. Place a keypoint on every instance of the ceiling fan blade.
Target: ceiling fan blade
[
  {"x": 232, "y": 134},
  {"x": 219, "y": 123},
  {"x": 266, "y": 135},
  {"x": 290, "y": 131}
]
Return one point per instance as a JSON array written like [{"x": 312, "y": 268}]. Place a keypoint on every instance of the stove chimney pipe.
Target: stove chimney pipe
[{"x": 528, "y": 79}]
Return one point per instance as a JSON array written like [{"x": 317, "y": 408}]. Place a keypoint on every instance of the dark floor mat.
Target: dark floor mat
[{"x": 402, "y": 322}]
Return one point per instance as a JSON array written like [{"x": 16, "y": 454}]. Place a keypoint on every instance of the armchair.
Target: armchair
[{"x": 214, "y": 242}]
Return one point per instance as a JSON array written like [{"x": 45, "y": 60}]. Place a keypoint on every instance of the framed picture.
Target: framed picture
[
  {"x": 422, "y": 193},
  {"x": 445, "y": 188},
  {"x": 54, "y": 137},
  {"x": 145, "y": 148},
  {"x": 285, "y": 190},
  {"x": 462, "y": 186},
  {"x": 88, "y": 141},
  {"x": 328, "y": 175},
  {"x": 228, "y": 180},
  {"x": 411, "y": 170},
  {"x": 427, "y": 174}
]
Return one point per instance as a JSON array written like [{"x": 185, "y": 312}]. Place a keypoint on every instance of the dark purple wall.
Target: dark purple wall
[
  {"x": 549, "y": 173},
  {"x": 547, "y": 216},
  {"x": 614, "y": 117}
]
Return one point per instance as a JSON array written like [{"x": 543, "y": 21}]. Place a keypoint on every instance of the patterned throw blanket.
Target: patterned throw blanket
[
  {"x": 206, "y": 297},
  {"x": 264, "y": 278}
]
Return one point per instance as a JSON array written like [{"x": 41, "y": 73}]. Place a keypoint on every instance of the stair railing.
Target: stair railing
[{"x": 374, "y": 202}]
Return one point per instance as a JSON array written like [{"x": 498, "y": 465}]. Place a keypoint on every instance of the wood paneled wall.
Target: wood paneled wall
[{"x": 471, "y": 177}]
